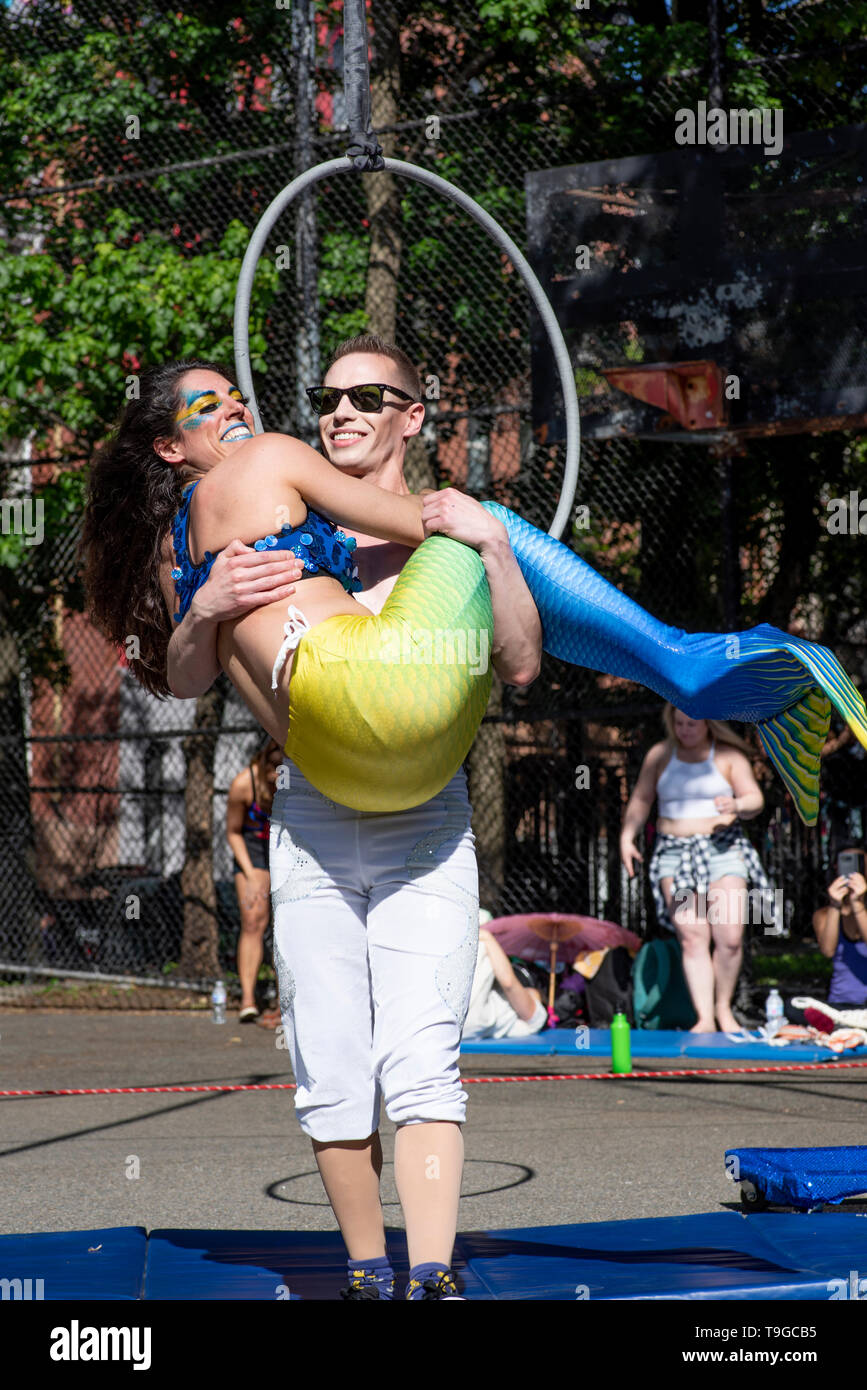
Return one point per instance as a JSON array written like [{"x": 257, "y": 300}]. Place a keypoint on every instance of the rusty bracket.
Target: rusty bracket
[{"x": 691, "y": 393}]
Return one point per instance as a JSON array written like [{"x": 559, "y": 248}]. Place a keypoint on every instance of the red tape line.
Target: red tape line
[{"x": 466, "y": 1081}]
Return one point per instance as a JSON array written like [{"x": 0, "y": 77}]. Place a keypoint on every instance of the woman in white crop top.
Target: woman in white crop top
[{"x": 701, "y": 862}]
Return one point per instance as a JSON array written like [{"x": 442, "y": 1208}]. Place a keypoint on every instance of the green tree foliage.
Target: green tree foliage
[
  {"x": 128, "y": 265},
  {"x": 75, "y": 329}
]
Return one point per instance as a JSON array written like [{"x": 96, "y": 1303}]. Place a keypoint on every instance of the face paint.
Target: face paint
[
  {"x": 189, "y": 417},
  {"x": 197, "y": 404}
]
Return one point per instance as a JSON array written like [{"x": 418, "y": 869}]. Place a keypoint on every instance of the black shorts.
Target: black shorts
[{"x": 258, "y": 852}]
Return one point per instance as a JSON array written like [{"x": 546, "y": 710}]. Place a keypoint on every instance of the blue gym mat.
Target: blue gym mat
[
  {"x": 561, "y": 1042},
  {"x": 712, "y": 1256},
  {"x": 106, "y": 1264},
  {"x": 716, "y": 1255}
]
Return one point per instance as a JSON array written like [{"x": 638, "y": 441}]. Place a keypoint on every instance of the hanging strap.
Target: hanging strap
[{"x": 364, "y": 149}]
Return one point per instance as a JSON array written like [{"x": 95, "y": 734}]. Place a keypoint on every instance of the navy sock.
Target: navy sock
[
  {"x": 419, "y": 1273},
  {"x": 378, "y": 1272}
]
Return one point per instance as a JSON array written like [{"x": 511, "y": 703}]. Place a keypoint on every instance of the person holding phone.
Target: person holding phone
[{"x": 841, "y": 931}]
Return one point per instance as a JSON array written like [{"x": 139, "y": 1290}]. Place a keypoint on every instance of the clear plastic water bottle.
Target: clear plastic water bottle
[
  {"x": 775, "y": 1013},
  {"x": 218, "y": 1002}
]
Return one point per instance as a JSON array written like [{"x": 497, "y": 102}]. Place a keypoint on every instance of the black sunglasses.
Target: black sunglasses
[{"x": 368, "y": 398}]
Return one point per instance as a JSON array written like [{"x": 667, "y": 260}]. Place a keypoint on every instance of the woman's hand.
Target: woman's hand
[
  {"x": 747, "y": 799},
  {"x": 628, "y": 855},
  {"x": 857, "y": 887},
  {"x": 242, "y": 578},
  {"x": 447, "y": 512},
  {"x": 839, "y": 890},
  {"x": 251, "y": 892}
]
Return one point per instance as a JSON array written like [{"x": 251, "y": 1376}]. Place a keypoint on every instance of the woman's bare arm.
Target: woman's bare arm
[
  {"x": 237, "y": 805},
  {"x": 826, "y": 925},
  {"x": 747, "y": 800},
  {"x": 272, "y": 463},
  {"x": 522, "y": 999},
  {"x": 639, "y": 805}
]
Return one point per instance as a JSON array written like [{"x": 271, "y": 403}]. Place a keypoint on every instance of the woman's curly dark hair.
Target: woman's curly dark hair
[{"x": 133, "y": 496}]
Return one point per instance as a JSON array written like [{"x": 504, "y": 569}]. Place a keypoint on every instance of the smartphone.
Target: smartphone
[{"x": 849, "y": 862}]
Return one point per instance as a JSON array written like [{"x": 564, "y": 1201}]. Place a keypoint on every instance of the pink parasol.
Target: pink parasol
[{"x": 566, "y": 935}]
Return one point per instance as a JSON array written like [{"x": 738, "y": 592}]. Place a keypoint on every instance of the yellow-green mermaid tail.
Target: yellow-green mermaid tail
[{"x": 384, "y": 709}]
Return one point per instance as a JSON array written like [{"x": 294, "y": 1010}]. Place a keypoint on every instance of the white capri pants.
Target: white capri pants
[{"x": 376, "y": 923}]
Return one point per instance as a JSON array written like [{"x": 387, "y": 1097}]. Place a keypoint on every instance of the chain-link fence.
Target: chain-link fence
[{"x": 161, "y": 134}]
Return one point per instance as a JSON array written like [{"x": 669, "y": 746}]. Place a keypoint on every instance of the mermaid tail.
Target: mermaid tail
[
  {"x": 793, "y": 741},
  {"x": 384, "y": 708},
  {"x": 762, "y": 676}
]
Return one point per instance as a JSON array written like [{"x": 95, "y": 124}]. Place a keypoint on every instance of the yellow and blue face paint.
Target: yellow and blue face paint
[{"x": 198, "y": 404}]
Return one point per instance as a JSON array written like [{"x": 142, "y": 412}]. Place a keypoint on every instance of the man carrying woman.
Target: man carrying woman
[
  {"x": 376, "y": 915},
  {"x": 372, "y": 861}
]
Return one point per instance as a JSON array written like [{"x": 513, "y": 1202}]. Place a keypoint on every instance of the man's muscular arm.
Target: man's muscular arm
[
  {"x": 191, "y": 661},
  {"x": 241, "y": 579},
  {"x": 517, "y": 652}
]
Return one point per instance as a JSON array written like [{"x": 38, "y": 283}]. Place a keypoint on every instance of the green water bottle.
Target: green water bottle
[{"x": 621, "y": 1049}]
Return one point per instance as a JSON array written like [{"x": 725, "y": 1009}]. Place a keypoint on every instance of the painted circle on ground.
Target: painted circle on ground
[{"x": 481, "y": 1178}]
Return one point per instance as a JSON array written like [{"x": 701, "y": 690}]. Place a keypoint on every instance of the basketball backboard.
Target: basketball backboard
[{"x": 719, "y": 275}]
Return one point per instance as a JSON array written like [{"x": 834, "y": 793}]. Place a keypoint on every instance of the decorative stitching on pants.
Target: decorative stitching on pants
[
  {"x": 304, "y": 873},
  {"x": 454, "y": 973},
  {"x": 285, "y": 980}
]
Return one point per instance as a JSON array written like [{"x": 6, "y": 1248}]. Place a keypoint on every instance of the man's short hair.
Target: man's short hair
[{"x": 408, "y": 378}]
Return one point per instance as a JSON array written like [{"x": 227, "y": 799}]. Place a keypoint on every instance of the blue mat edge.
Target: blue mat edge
[
  {"x": 560, "y": 1042},
  {"x": 803, "y": 1278}
]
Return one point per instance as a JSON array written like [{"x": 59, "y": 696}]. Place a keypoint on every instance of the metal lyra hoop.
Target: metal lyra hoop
[{"x": 494, "y": 230}]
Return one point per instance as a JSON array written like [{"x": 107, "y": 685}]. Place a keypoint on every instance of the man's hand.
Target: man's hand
[
  {"x": 243, "y": 578},
  {"x": 451, "y": 513},
  {"x": 517, "y": 631},
  {"x": 240, "y": 580}
]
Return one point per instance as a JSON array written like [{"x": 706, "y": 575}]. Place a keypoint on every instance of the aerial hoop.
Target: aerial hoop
[{"x": 494, "y": 230}]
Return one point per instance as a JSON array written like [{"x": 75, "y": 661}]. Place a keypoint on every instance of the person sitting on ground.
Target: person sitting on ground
[{"x": 500, "y": 1006}]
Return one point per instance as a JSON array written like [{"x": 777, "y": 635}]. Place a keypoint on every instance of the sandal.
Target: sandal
[
  {"x": 271, "y": 1018},
  {"x": 248, "y": 1014}
]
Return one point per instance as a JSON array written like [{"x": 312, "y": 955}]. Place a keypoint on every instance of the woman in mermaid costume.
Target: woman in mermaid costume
[{"x": 379, "y": 711}]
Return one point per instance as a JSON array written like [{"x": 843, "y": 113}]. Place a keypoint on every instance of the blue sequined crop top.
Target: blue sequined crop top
[{"x": 321, "y": 547}]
